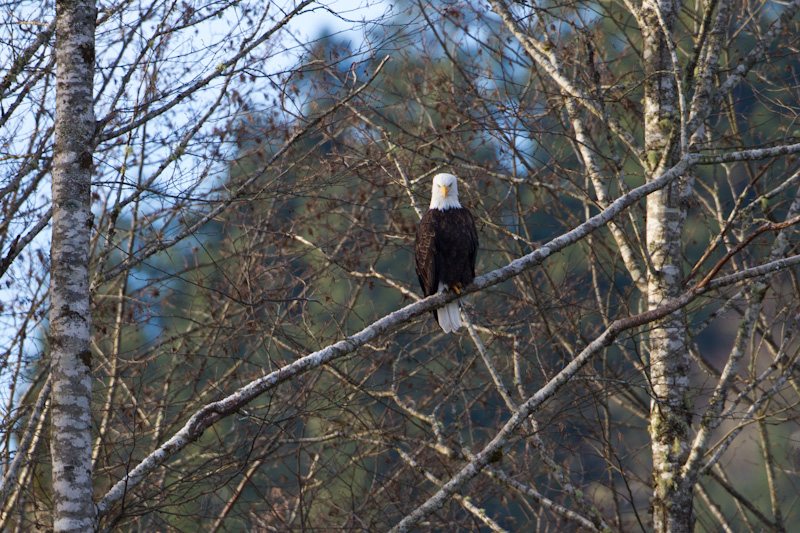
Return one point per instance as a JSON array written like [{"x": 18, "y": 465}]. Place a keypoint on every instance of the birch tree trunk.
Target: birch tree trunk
[
  {"x": 71, "y": 443},
  {"x": 670, "y": 364}
]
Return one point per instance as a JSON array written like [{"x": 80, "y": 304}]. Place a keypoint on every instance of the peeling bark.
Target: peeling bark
[{"x": 71, "y": 445}]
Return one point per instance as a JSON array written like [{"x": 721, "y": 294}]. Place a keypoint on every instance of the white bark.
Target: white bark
[
  {"x": 71, "y": 444},
  {"x": 670, "y": 362}
]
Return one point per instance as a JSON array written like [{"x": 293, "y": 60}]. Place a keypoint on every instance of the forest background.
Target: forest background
[{"x": 210, "y": 316}]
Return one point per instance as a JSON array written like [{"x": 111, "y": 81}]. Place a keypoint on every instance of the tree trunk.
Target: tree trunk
[
  {"x": 670, "y": 416},
  {"x": 71, "y": 444}
]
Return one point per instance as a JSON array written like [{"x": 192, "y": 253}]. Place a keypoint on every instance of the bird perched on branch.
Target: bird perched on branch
[{"x": 445, "y": 248}]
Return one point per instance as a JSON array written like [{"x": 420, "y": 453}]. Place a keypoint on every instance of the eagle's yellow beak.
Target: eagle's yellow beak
[{"x": 444, "y": 191}]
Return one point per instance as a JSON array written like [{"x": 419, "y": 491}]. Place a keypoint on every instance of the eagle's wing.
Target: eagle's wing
[
  {"x": 425, "y": 255},
  {"x": 473, "y": 240}
]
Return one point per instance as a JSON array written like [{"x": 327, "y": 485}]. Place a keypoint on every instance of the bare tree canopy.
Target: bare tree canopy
[{"x": 210, "y": 313}]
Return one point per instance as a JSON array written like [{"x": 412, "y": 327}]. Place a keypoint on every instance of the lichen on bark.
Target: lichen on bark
[
  {"x": 70, "y": 316},
  {"x": 670, "y": 414}
]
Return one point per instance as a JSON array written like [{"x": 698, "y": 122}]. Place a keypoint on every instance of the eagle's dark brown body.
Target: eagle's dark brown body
[{"x": 445, "y": 249}]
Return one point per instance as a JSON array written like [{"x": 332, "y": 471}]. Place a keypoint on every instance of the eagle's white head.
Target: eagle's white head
[{"x": 445, "y": 192}]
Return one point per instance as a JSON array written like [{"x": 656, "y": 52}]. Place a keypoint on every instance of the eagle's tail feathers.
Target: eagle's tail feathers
[{"x": 450, "y": 317}]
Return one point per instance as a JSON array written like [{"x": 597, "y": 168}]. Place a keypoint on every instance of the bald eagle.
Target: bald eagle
[{"x": 445, "y": 248}]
